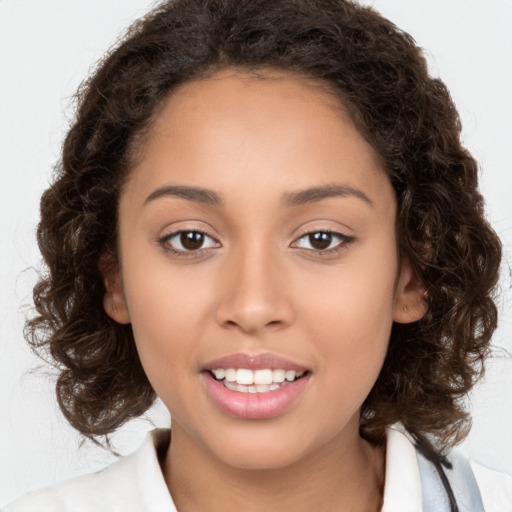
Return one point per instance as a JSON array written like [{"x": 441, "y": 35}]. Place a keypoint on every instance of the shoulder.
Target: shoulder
[
  {"x": 134, "y": 483},
  {"x": 495, "y": 487},
  {"x": 413, "y": 484}
]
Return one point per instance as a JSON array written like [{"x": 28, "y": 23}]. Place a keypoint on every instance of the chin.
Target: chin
[
  {"x": 266, "y": 447},
  {"x": 261, "y": 458}
]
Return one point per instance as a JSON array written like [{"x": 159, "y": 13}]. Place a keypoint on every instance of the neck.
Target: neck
[{"x": 345, "y": 475}]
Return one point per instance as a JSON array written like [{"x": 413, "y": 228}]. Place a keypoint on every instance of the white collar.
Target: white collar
[
  {"x": 136, "y": 483},
  {"x": 402, "y": 489}
]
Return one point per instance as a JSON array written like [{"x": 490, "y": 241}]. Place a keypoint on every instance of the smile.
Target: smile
[
  {"x": 255, "y": 387},
  {"x": 263, "y": 380}
]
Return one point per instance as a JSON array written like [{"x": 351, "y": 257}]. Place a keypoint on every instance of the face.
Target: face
[{"x": 259, "y": 268}]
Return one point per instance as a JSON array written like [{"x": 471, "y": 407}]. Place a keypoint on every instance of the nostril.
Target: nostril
[{"x": 251, "y": 316}]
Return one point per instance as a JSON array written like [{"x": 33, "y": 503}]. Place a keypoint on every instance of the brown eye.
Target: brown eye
[
  {"x": 326, "y": 242},
  {"x": 188, "y": 241},
  {"x": 191, "y": 240},
  {"x": 321, "y": 240}
]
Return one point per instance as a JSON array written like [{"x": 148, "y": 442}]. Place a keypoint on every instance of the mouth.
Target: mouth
[
  {"x": 264, "y": 380},
  {"x": 255, "y": 387}
]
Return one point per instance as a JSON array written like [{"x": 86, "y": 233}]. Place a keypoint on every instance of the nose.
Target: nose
[{"x": 254, "y": 293}]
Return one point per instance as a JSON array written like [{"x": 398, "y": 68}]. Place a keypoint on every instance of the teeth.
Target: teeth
[
  {"x": 244, "y": 376},
  {"x": 278, "y": 375},
  {"x": 230, "y": 374},
  {"x": 219, "y": 374},
  {"x": 259, "y": 388},
  {"x": 252, "y": 381},
  {"x": 290, "y": 375},
  {"x": 263, "y": 376},
  {"x": 235, "y": 387}
]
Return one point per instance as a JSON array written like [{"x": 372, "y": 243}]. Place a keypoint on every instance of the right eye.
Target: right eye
[
  {"x": 323, "y": 241},
  {"x": 188, "y": 241}
]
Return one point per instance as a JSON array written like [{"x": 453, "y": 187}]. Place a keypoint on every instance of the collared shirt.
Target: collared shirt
[{"x": 135, "y": 483}]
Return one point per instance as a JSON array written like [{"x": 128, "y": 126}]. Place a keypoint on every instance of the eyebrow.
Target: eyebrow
[
  {"x": 299, "y": 198},
  {"x": 316, "y": 194},
  {"x": 197, "y": 194}
]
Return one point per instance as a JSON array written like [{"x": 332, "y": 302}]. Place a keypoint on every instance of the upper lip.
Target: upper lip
[{"x": 254, "y": 362}]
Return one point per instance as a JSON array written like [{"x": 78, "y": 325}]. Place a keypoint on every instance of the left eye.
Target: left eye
[
  {"x": 188, "y": 241},
  {"x": 321, "y": 240}
]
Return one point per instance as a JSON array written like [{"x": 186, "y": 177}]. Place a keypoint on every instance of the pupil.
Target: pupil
[
  {"x": 320, "y": 240},
  {"x": 191, "y": 240}
]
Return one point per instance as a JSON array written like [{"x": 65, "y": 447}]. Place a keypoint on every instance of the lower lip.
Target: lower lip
[{"x": 255, "y": 406}]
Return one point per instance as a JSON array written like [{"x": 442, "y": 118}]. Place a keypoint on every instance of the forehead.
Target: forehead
[{"x": 284, "y": 131}]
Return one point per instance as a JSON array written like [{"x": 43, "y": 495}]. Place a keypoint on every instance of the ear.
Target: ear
[
  {"x": 410, "y": 304},
  {"x": 114, "y": 300}
]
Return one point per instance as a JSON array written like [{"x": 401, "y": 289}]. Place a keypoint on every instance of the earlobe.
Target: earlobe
[
  {"x": 114, "y": 301},
  {"x": 410, "y": 304}
]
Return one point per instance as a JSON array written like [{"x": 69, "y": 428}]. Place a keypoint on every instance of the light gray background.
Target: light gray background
[{"x": 47, "y": 48}]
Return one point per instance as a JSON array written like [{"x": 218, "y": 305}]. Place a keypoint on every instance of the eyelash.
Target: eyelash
[
  {"x": 183, "y": 253},
  {"x": 344, "y": 241}
]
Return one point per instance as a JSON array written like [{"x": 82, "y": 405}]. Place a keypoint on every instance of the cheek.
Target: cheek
[
  {"x": 349, "y": 315},
  {"x": 354, "y": 332},
  {"x": 165, "y": 308},
  {"x": 163, "y": 298}
]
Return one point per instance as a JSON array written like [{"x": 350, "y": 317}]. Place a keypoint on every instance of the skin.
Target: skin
[{"x": 257, "y": 285}]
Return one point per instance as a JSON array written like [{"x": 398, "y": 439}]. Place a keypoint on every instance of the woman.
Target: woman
[{"x": 265, "y": 217}]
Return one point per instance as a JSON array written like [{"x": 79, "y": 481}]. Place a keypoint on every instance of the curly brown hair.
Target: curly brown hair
[{"x": 381, "y": 77}]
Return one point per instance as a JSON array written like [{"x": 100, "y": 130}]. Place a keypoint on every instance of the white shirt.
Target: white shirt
[{"x": 135, "y": 483}]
